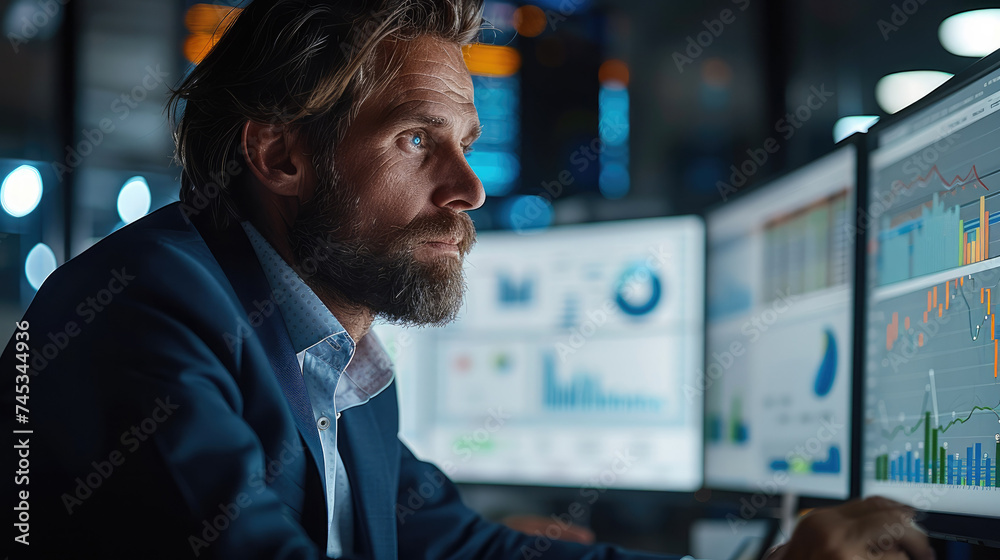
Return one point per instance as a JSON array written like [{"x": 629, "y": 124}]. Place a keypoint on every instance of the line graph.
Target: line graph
[
  {"x": 958, "y": 180},
  {"x": 926, "y": 416},
  {"x": 937, "y": 308},
  {"x": 931, "y": 409},
  {"x": 920, "y": 233},
  {"x": 943, "y": 339}
]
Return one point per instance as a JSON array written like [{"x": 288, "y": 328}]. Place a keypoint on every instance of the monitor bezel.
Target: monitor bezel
[{"x": 973, "y": 529}]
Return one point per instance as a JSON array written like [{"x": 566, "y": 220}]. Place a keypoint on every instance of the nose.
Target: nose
[{"x": 458, "y": 188}]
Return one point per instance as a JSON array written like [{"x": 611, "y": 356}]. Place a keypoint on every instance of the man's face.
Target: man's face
[{"x": 387, "y": 229}]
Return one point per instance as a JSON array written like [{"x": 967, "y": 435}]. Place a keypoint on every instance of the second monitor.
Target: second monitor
[
  {"x": 779, "y": 333},
  {"x": 571, "y": 363}
]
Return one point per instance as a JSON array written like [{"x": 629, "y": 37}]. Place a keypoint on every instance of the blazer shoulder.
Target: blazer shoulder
[{"x": 160, "y": 260}]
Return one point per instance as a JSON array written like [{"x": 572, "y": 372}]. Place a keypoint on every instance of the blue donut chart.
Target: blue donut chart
[{"x": 633, "y": 273}]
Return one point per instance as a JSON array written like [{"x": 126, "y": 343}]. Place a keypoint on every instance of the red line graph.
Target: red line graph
[{"x": 934, "y": 171}]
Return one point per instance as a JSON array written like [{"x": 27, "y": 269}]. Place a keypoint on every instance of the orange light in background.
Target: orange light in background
[
  {"x": 491, "y": 60},
  {"x": 197, "y": 45},
  {"x": 529, "y": 21},
  {"x": 207, "y": 23},
  {"x": 716, "y": 72},
  {"x": 613, "y": 70}
]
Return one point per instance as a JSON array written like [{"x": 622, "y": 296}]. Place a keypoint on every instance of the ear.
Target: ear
[{"x": 279, "y": 159}]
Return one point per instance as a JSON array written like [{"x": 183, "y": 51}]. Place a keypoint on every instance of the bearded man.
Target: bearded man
[{"x": 229, "y": 400}]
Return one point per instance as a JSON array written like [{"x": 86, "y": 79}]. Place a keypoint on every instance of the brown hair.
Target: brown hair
[{"x": 304, "y": 63}]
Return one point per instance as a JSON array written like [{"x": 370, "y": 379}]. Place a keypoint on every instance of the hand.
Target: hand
[{"x": 872, "y": 529}]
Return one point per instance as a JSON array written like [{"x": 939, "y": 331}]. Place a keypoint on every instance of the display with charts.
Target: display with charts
[
  {"x": 932, "y": 396},
  {"x": 779, "y": 335},
  {"x": 569, "y": 361}
]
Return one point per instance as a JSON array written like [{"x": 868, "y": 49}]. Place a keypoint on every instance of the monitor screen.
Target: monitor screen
[
  {"x": 568, "y": 363},
  {"x": 932, "y": 396},
  {"x": 779, "y": 334}
]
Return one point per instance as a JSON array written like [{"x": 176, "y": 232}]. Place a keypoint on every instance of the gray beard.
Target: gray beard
[{"x": 379, "y": 272}]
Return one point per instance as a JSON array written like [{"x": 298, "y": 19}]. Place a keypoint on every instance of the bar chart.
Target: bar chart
[
  {"x": 981, "y": 318},
  {"x": 586, "y": 392},
  {"x": 931, "y": 409},
  {"x": 932, "y": 463},
  {"x": 932, "y": 414},
  {"x": 937, "y": 237},
  {"x": 809, "y": 248}
]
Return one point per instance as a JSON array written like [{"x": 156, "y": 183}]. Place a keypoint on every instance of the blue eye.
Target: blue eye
[{"x": 417, "y": 140}]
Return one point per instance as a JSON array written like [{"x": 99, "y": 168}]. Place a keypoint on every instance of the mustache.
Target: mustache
[{"x": 448, "y": 224}]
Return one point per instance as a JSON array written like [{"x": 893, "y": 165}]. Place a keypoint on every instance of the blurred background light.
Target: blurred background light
[
  {"x": 613, "y": 72},
  {"x": 207, "y": 23},
  {"x": 846, "y": 126},
  {"x": 613, "y": 127},
  {"x": 27, "y": 19},
  {"x": 975, "y": 33},
  {"x": 41, "y": 261},
  {"x": 497, "y": 170},
  {"x": 529, "y": 21},
  {"x": 21, "y": 191},
  {"x": 526, "y": 213},
  {"x": 491, "y": 60},
  {"x": 895, "y": 92},
  {"x": 716, "y": 72},
  {"x": 134, "y": 199},
  {"x": 614, "y": 180}
]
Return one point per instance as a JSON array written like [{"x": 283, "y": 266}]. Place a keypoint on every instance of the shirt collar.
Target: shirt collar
[
  {"x": 307, "y": 319},
  {"x": 313, "y": 328}
]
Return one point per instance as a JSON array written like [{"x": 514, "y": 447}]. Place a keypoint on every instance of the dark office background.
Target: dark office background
[{"x": 620, "y": 109}]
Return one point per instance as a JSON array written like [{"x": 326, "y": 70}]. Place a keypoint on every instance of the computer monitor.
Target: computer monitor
[
  {"x": 780, "y": 333},
  {"x": 569, "y": 362},
  {"x": 932, "y": 396}
]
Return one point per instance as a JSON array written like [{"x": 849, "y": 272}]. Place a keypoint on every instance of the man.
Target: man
[{"x": 203, "y": 382}]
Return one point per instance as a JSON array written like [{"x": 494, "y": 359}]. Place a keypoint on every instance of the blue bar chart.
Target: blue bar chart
[{"x": 585, "y": 392}]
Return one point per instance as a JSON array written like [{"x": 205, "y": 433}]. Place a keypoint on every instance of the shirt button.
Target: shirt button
[{"x": 323, "y": 422}]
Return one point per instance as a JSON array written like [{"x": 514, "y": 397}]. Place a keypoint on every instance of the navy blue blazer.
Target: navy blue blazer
[{"x": 169, "y": 420}]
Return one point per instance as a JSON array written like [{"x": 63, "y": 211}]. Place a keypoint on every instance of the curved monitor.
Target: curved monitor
[{"x": 569, "y": 362}]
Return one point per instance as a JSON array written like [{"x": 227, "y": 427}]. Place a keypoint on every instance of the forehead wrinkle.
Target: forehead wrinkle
[
  {"x": 401, "y": 104},
  {"x": 449, "y": 83}
]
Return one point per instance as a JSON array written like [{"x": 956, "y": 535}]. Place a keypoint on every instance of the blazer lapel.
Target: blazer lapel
[
  {"x": 367, "y": 467},
  {"x": 232, "y": 250}
]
